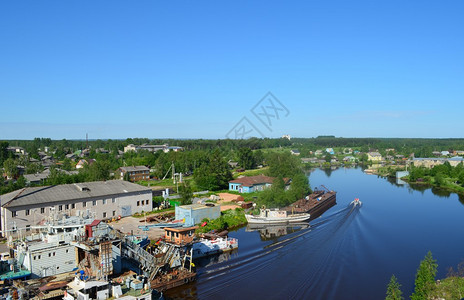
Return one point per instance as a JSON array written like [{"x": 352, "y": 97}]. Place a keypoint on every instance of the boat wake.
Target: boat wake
[{"x": 301, "y": 255}]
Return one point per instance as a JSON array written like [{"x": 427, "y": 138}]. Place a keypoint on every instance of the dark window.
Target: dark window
[
  {"x": 28, "y": 212},
  {"x": 14, "y": 214},
  {"x": 42, "y": 210}
]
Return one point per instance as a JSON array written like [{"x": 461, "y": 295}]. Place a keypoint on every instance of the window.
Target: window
[
  {"x": 104, "y": 215},
  {"x": 94, "y": 202},
  {"x": 84, "y": 204},
  {"x": 67, "y": 250},
  {"x": 42, "y": 210},
  {"x": 39, "y": 256},
  {"x": 28, "y": 227},
  {"x": 60, "y": 207},
  {"x": 66, "y": 206},
  {"x": 49, "y": 254},
  {"x": 53, "y": 253},
  {"x": 138, "y": 203},
  {"x": 104, "y": 201},
  {"x": 14, "y": 214},
  {"x": 28, "y": 212},
  {"x": 114, "y": 213},
  {"x": 113, "y": 200},
  {"x": 73, "y": 206},
  {"x": 34, "y": 257}
]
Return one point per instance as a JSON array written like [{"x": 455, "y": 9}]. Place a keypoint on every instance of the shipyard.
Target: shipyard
[{"x": 67, "y": 252}]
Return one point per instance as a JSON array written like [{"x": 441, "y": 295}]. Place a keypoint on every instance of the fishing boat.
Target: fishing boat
[
  {"x": 356, "y": 202},
  {"x": 269, "y": 216},
  {"x": 206, "y": 247}
]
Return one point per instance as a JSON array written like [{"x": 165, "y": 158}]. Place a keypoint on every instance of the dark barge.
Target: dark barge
[{"x": 315, "y": 204}]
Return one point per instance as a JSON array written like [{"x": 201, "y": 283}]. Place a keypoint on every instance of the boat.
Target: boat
[
  {"x": 356, "y": 202},
  {"x": 269, "y": 216},
  {"x": 315, "y": 203},
  {"x": 206, "y": 247}
]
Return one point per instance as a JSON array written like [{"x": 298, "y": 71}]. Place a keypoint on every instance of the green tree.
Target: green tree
[
  {"x": 283, "y": 164},
  {"x": 245, "y": 158},
  {"x": 328, "y": 157},
  {"x": 258, "y": 157},
  {"x": 3, "y": 152},
  {"x": 11, "y": 168},
  {"x": 214, "y": 174},
  {"x": 299, "y": 186},
  {"x": 186, "y": 193},
  {"x": 425, "y": 278},
  {"x": 394, "y": 290}
]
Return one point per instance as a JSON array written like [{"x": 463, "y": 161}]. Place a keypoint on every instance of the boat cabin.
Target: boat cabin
[{"x": 180, "y": 236}]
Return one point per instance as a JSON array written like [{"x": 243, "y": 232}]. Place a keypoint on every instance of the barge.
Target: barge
[{"x": 315, "y": 204}]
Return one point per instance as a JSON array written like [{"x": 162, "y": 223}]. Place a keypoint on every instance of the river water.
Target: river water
[{"x": 348, "y": 253}]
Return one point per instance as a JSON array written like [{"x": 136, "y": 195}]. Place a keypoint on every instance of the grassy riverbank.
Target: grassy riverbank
[{"x": 230, "y": 219}]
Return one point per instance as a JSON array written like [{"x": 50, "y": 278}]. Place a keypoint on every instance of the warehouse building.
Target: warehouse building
[
  {"x": 31, "y": 206},
  {"x": 194, "y": 213}
]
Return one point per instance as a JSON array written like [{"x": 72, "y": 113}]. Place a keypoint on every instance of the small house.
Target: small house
[
  {"x": 180, "y": 236},
  {"x": 250, "y": 184}
]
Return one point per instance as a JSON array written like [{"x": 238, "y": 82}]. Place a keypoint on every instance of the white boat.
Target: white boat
[
  {"x": 206, "y": 247},
  {"x": 269, "y": 216},
  {"x": 356, "y": 202}
]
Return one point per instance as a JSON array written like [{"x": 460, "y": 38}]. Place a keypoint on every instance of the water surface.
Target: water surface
[{"x": 348, "y": 253}]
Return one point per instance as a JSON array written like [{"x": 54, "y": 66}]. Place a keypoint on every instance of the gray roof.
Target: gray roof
[
  {"x": 134, "y": 168},
  {"x": 36, "y": 177},
  {"x": 66, "y": 192}
]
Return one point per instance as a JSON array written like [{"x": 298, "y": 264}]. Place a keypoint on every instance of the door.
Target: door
[{"x": 126, "y": 211}]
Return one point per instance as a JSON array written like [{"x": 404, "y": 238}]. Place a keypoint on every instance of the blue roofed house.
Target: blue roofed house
[
  {"x": 252, "y": 184},
  {"x": 330, "y": 151}
]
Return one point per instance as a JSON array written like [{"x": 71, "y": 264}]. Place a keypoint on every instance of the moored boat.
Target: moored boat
[
  {"x": 269, "y": 216},
  {"x": 206, "y": 247}
]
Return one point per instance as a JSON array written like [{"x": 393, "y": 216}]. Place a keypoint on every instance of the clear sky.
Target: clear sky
[{"x": 193, "y": 69}]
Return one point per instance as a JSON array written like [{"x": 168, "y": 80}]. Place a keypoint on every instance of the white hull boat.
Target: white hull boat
[
  {"x": 268, "y": 216},
  {"x": 218, "y": 245}
]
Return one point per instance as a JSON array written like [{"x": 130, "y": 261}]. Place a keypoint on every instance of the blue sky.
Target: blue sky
[{"x": 193, "y": 69}]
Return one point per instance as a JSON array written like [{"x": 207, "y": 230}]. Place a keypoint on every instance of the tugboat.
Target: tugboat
[{"x": 356, "y": 202}]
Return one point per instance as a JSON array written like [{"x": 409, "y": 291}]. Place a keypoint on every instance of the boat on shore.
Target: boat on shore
[{"x": 269, "y": 216}]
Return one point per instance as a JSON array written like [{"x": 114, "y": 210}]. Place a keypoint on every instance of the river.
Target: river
[{"x": 348, "y": 253}]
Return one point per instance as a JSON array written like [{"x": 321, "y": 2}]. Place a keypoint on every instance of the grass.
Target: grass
[
  {"x": 147, "y": 213},
  {"x": 230, "y": 219},
  {"x": 449, "y": 288},
  {"x": 252, "y": 172}
]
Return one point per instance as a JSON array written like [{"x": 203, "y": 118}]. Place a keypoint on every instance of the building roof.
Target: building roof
[
  {"x": 95, "y": 223},
  {"x": 254, "y": 180},
  {"x": 181, "y": 229},
  {"x": 196, "y": 206},
  {"x": 66, "y": 192},
  {"x": 134, "y": 168},
  {"x": 374, "y": 154}
]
